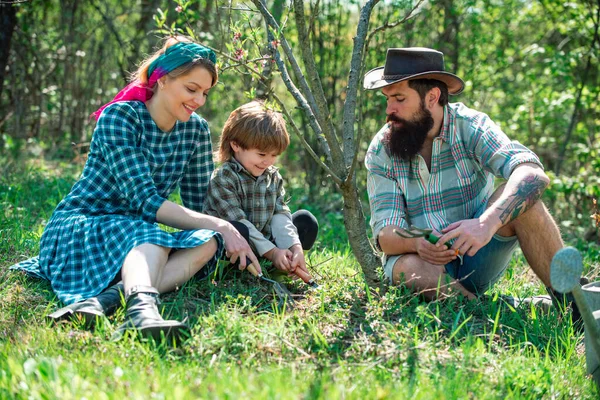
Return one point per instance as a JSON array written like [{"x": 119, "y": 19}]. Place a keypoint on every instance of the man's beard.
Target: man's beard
[{"x": 406, "y": 140}]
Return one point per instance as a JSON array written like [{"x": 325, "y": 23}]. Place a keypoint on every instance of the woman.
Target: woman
[{"x": 147, "y": 141}]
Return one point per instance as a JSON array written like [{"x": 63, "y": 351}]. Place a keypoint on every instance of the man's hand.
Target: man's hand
[
  {"x": 434, "y": 254},
  {"x": 470, "y": 234}
]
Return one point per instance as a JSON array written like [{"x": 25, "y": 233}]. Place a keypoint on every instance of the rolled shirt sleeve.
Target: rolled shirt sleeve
[
  {"x": 388, "y": 205},
  {"x": 257, "y": 239},
  {"x": 494, "y": 150},
  {"x": 280, "y": 203},
  {"x": 283, "y": 230}
]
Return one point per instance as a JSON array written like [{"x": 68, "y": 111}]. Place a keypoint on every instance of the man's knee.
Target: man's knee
[{"x": 409, "y": 269}]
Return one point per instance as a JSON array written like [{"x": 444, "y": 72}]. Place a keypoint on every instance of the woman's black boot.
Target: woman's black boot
[
  {"x": 88, "y": 310},
  {"x": 142, "y": 316}
]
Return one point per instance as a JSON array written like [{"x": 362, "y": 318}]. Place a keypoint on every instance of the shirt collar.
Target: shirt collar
[{"x": 447, "y": 126}]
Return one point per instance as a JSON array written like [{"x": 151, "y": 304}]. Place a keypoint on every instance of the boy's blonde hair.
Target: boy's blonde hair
[{"x": 253, "y": 126}]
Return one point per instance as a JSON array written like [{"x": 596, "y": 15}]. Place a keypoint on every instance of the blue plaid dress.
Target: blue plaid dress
[{"x": 131, "y": 169}]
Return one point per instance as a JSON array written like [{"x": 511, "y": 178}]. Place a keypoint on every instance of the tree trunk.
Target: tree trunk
[
  {"x": 8, "y": 16},
  {"x": 355, "y": 223}
]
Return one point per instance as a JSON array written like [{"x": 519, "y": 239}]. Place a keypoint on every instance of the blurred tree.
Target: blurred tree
[{"x": 8, "y": 18}]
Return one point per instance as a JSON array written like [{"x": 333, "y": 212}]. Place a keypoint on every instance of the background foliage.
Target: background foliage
[{"x": 531, "y": 65}]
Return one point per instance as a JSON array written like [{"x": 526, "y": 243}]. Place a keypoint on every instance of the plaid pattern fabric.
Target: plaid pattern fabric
[
  {"x": 470, "y": 150},
  {"x": 235, "y": 195},
  {"x": 132, "y": 168}
]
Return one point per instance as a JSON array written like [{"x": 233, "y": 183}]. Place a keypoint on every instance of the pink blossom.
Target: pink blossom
[{"x": 240, "y": 54}]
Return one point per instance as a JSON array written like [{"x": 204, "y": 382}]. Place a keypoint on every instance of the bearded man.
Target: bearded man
[{"x": 433, "y": 166}]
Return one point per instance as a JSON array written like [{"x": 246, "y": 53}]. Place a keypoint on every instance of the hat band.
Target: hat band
[{"x": 390, "y": 77}]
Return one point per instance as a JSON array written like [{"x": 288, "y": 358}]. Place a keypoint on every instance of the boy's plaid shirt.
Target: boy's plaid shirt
[
  {"x": 470, "y": 150},
  {"x": 235, "y": 195}
]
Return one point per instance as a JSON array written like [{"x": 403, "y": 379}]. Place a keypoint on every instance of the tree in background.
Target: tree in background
[{"x": 532, "y": 66}]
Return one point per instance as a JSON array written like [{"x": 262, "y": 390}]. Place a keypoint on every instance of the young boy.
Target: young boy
[{"x": 247, "y": 189}]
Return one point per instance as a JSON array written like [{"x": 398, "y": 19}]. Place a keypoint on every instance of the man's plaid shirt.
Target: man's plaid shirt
[{"x": 470, "y": 150}]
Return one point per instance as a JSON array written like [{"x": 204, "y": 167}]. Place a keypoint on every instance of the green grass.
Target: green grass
[{"x": 339, "y": 342}]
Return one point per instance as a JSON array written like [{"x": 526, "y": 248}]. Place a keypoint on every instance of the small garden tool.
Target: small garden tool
[
  {"x": 306, "y": 278},
  {"x": 281, "y": 291},
  {"x": 414, "y": 232}
]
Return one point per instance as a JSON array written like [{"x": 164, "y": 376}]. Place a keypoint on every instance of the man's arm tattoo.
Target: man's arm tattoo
[{"x": 528, "y": 192}]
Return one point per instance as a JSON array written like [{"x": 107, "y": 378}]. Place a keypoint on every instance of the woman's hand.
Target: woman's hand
[{"x": 237, "y": 248}]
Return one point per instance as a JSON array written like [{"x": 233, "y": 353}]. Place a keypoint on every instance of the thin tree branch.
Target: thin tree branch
[
  {"x": 242, "y": 63},
  {"x": 304, "y": 143},
  {"x": 313, "y": 15},
  {"x": 382, "y": 28},
  {"x": 387, "y": 25},
  {"x": 322, "y": 111},
  {"x": 351, "y": 90},
  {"x": 295, "y": 128},
  {"x": 308, "y": 103}
]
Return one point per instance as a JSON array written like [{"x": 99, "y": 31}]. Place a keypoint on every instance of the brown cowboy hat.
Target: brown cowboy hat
[{"x": 412, "y": 63}]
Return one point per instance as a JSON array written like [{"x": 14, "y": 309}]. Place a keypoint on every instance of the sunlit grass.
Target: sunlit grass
[{"x": 340, "y": 341}]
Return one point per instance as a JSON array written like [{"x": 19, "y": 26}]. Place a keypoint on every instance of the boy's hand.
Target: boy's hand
[
  {"x": 297, "y": 259},
  {"x": 280, "y": 258}
]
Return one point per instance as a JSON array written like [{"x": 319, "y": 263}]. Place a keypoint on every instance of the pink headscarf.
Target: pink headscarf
[{"x": 174, "y": 57}]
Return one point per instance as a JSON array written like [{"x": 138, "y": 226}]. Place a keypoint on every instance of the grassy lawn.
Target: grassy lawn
[{"x": 340, "y": 341}]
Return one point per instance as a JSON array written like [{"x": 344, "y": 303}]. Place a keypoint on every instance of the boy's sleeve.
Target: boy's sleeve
[
  {"x": 194, "y": 183},
  {"x": 116, "y": 138},
  {"x": 284, "y": 231},
  {"x": 257, "y": 239},
  {"x": 280, "y": 203}
]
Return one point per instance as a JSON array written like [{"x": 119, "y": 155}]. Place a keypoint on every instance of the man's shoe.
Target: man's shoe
[
  {"x": 142, "y": 316},
  {"x": 90, "y": 309},
  {"x": 542, "y": 302}
]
